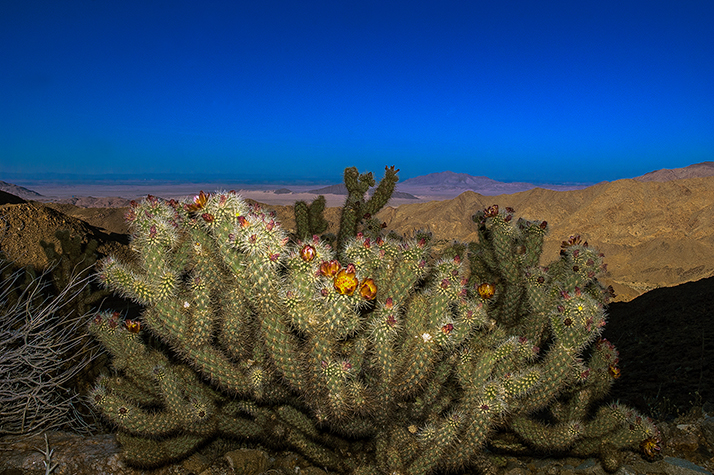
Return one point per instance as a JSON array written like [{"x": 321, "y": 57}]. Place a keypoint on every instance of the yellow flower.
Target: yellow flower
[
  {"x": 345, "y": 281},
  {"x": 486, "y": 290},
  {"x": 368, "y": 289}
]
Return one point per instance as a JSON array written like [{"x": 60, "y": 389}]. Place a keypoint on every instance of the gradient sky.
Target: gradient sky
[{"x": 552, "y": 91}]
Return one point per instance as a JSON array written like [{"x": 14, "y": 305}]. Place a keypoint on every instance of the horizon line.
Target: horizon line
[{"x": 219, "y": 178}]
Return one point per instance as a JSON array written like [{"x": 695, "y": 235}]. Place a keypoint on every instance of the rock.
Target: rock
[
  {"x": 248, "y": 461},
  {"x": 677, "y": 466},
  {"x": 683, "y": 441},
  {"x": 73, "y": 454},
  {"x": 101, "y": 455}
]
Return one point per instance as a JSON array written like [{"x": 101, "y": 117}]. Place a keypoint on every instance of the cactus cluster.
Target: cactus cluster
[{"x": 374, "y": 356}]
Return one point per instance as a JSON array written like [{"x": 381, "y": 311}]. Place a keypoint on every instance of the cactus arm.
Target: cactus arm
[{"x": 383, "y": 193}]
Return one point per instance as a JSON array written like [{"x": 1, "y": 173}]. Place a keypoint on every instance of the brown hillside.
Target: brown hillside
[
  {"x": 24, "y": 225},
  {"x": 692, "y": 171},
  {"x": 653, "y": 234}
]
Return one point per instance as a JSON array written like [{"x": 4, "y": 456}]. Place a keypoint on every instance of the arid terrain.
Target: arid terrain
[{"x": 657, "y": 237}]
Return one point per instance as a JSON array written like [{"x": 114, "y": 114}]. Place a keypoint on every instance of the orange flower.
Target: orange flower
[
  {"x": 368, "y": 289},
  {"x": 491, "y": 211},
  {"x": 307, "y": 253},
  {"x": 345, "y": 281},
  {"x": 614, "y": 371},
  {"x": 134, "y": 326},
  {"x": 199, "y": 201},
  {"x": 650, "y": 447},
  {"x": 486, "y": 290},
  {"x": 572, "y": 241},
  {"x": 330, "y": 268}
]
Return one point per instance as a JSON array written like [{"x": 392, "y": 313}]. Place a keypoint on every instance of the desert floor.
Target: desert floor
[{"x": 262, "y": 193}]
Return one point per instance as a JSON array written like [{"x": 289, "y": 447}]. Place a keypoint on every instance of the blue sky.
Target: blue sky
[{"x": 554, "y": 91}]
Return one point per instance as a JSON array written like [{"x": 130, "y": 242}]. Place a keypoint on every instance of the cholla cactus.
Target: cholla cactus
[{"x": 384, "y": 360}]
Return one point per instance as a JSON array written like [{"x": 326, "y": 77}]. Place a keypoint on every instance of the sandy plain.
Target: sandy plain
[{"x": 262, "y": 193}]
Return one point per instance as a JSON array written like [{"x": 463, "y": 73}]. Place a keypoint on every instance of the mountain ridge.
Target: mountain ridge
[{"x": 695, "y": 170}]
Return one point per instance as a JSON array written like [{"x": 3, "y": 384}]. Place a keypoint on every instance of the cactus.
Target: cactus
[
  {"x": 358, "y": 210},
  {"x": 310, "y": 220},
  {"x": 384, "y": 358}
]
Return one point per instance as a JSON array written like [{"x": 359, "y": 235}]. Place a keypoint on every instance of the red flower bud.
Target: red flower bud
[{"x": 307, "y": 253}]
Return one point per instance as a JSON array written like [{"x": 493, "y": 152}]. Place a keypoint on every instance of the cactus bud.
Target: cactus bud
[{"x": 307, "y": 253}]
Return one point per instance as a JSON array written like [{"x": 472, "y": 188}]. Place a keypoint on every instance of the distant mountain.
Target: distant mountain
[
  {"x": 451, "y": 183},
  {"x": 698, "y": 170},
  {"x": 461, "y": 181},
  {"x": 20, "y": 191}
]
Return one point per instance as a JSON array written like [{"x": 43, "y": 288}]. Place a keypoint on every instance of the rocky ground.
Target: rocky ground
[
  {"x": 688, "y": 450},
  {"x": 665, "y": 338}
]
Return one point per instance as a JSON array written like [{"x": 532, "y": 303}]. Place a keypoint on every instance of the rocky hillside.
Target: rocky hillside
[
  {"x": 697, "y": 170},
  {"x": 19, "y": 191},
  {"x": 653, "y": 234}
]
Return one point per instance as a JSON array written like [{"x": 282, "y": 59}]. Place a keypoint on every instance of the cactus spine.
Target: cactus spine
[{"x": 408, "y": 361}]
